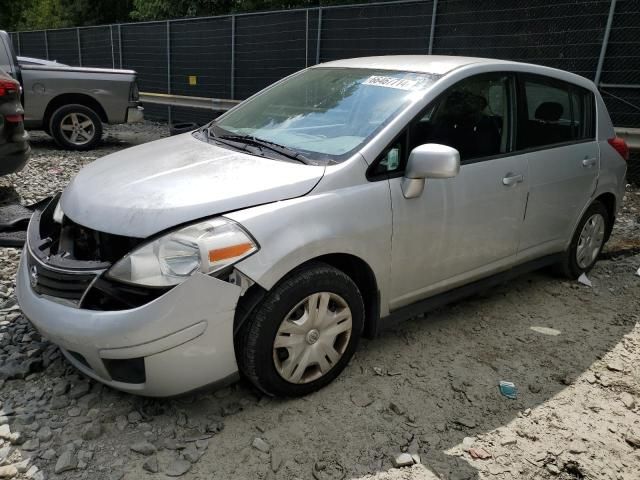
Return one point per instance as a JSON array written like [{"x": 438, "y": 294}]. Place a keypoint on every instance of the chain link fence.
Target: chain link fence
[{"x": 234, "y": 56}]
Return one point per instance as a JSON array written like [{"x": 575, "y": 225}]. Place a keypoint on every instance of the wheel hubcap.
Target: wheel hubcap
[
  {"x": 78, "y": 128},
  {"x": 312, "y": 338},
  {"x": 591, "y": 240}
]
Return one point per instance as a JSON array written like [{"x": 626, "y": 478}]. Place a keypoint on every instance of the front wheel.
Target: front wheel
[
  {"x": 76, "y": 127},
  {"x": 587, "y": 242},
  {"x": 303, "y": 333}
]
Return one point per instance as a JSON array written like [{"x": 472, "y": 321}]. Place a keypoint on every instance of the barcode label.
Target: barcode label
[{"x": 391, "y": 82}]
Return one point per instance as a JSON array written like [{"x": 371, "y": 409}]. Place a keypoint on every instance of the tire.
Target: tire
[
  {"x": 272, "y": 368},
  {"x": 76, "y": 127},
  {"x": 581, "y": 257}
]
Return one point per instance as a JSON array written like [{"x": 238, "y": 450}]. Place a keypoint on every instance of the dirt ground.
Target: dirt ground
[{"x": 428, "y": 387}]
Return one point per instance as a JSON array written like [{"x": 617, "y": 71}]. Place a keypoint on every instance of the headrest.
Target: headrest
[
  {"x": 463, "y": 103},
  {"x": 549, "y": 111}
]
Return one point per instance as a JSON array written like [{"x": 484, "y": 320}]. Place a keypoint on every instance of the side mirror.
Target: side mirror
[{"x": 430, "y": 160}]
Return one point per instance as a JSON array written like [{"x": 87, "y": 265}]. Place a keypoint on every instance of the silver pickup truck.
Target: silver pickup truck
[{"x": 71, "y": 103}]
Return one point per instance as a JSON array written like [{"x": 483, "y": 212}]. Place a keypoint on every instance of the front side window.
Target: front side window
[
  {"x": 473, "y": 117},
  {"x": 327, "y": 113}
]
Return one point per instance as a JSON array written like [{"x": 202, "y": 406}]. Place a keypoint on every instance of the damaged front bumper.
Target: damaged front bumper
[
  {"x": 154, "y": 342},
  {"x": 178, "y": 342}
]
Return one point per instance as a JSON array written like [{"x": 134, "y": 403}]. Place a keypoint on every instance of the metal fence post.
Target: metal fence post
[
  {"x": 169, "y": 68},
  {"x": 113, "y": 56},
  {"x": 46, "y": 44},
  {"x": 605, "y": 42},
  {"x": 120, "y": 43},
  {"x": 233, "y": 57},
  {"x": 306, "y": 41},
  {"x": 319, "y": 35},
  {"x": 18, "y": 37},
  {"x": 79, "y": 47},
  {"x": 433, "y": 25}
]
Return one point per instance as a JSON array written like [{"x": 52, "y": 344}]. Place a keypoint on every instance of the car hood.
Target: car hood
[{"x": 152, "y": 187}]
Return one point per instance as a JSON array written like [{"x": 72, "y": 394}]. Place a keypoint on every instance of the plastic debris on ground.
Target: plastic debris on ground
[
  {"x": 546, "y": 331},
  {"x": 638, "y": 272},
  {"x": 478, "y": 453},
  {"x": 583, "y": 279},
  {"x": 508, "y": 389}
]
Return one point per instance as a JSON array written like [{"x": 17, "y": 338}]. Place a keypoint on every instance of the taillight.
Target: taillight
[
  {"x": 13, "y": 118},
  {"x": 135, "y": 93},
  {"x": 621, "y": 147},
  {"x": 8, "y": 86}
]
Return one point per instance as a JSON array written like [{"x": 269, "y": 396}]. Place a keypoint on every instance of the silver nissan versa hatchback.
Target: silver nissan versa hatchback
[{"x": 356, "y": 191}]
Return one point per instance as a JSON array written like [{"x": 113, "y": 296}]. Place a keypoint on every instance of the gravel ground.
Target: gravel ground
[{"x": 427, "y": 387}]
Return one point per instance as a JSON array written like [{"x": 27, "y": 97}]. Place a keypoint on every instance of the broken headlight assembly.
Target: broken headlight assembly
[{"x": 208, "y": 247}]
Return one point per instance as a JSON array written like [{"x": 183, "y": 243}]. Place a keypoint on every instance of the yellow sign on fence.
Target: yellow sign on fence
[{"x": 193, "y": 80}]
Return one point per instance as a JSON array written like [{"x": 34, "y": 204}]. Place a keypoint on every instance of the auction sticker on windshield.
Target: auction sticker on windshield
[{"x": 391, "y": 82}]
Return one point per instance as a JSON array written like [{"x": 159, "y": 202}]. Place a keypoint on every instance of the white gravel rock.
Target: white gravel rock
[{"x": 449, "y": 372}]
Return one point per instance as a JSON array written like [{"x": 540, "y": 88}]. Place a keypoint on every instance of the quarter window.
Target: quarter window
[
  {"x": 392, "y": 159},
  {"x": 582, "y": 103}
]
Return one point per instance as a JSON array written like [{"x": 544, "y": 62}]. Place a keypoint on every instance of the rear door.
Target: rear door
[{"x": 556, "y": 133}]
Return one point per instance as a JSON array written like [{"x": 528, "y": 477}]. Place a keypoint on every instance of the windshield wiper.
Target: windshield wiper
[{"x": 274, "y": 147}]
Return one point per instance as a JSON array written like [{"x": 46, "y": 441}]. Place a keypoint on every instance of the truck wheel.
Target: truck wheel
[
  {"x": 76, "y": 127},
  {"x": 303, "y": 333}
]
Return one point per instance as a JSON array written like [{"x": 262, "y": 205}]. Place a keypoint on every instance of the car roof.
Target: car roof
[
  {"x": 443, "y": 64},
  {"x": 438, "y": 64}
]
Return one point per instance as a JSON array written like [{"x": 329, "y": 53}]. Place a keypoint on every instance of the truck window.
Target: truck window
[{"x": 6, "y": 63}]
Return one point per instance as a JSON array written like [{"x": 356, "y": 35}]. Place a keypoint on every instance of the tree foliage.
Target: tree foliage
[{"x": 43, "y": 14}]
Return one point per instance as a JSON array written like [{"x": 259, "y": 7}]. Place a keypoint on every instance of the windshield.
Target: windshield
[{"x": 326, "y": 113}]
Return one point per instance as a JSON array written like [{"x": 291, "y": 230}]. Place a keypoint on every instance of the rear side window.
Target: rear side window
[{"x": 555, "y": 113}]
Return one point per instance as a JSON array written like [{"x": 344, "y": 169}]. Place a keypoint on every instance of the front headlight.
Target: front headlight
[{"x": 206, "y": 247}]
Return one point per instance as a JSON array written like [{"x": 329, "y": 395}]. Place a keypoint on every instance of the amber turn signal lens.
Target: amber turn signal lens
[{"x": 229, "y": 252}]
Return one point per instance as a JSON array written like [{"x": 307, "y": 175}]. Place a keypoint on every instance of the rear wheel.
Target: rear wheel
[
  {"x": 76, "y": 127},
  {"x": 587, "y": 242},
  {"x": 303, "y": 333}
]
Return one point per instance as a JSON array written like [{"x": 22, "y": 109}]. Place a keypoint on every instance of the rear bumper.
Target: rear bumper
[
  {"x": 135, "y": 114},
  {"x": 184, "y": 339},
  {"x": 14, "y": 156}
]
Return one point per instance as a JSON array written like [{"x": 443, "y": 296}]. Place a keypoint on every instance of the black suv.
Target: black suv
[{"x": 14, "y": 145}]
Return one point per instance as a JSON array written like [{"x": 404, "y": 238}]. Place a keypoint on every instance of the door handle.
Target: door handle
[
  {"x": 512, "y": 179},
  {"x": 589, "y": 162}
]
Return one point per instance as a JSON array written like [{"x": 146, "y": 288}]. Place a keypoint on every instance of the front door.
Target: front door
[{"x": 466, "y": 227}]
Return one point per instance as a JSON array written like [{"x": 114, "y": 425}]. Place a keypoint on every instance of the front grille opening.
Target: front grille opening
[
  {"x": 131, "y": 370},
  {"x": 85, "y": 244},
  {"x": 108, "y": 295},
  {"x": 58, "y": 284},
  {"x": 80, "y": 358},
  {"x": 75, "y": 246},
  {"x": 70, "y": 261}
]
